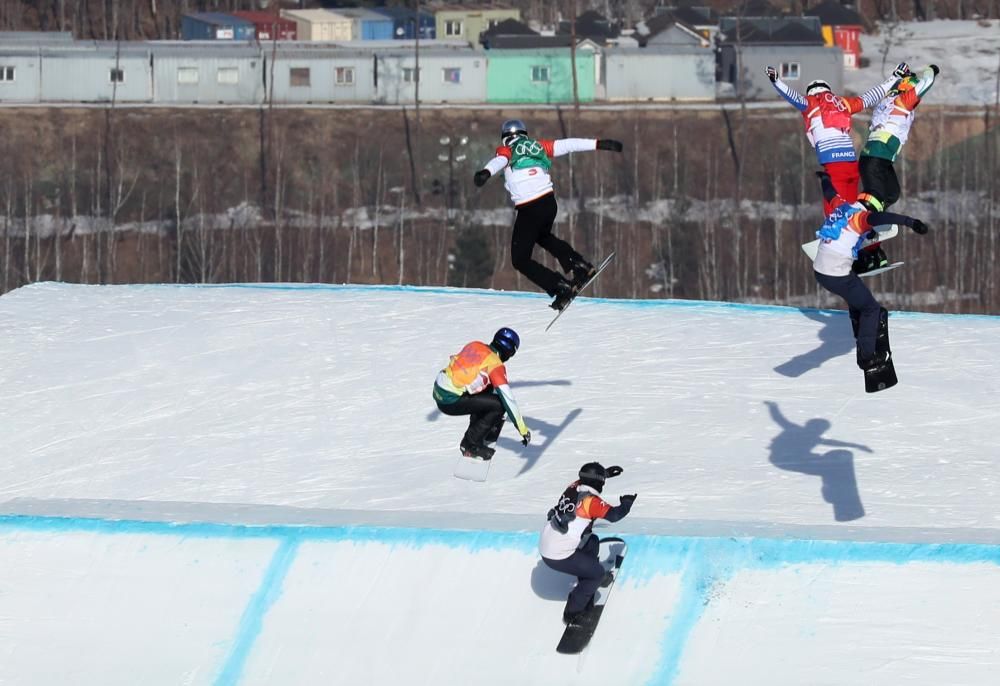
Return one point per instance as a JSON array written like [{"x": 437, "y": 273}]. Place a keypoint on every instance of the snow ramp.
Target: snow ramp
[{"x": 251, "y": 485}]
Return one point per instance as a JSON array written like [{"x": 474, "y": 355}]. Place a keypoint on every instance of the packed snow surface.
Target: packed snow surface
[{"x": 252, "y": 485}]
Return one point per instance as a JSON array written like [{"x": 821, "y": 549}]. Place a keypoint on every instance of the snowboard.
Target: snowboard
[
  {"x": 578, "y": 634},
  {"x": 472, "y": 468},
  {"x": 884, "y": 375},
  {"x": 885, "y": 232},
  {"x": 600, "y": 268}
]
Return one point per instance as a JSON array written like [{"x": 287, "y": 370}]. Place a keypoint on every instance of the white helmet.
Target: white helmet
[{"x": 818, "y": 86}]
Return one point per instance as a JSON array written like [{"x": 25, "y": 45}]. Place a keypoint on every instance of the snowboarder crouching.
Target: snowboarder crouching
[
  {"x": 525, "y": 163},
  {"x": 567, "y": 543},
  {"x": 475, "y": 383},
  {"x": 840, "y": 236}
]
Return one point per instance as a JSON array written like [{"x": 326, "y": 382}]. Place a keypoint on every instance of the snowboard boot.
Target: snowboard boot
[
  {"x": 872, "y": 257},
  {"x": 608, "y": 578},
  {"x": 494, "y": 433},
  {"x": 564, "y": 295},
  {"x": 470, "y": 449},
  {"x": 583, "y": 272},
  {"x": 876, "y": 361},
  {"x": 571, "y": 617}
]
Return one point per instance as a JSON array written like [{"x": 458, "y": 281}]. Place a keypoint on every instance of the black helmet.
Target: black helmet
[
  {"x": 511, "y": 129},
  {"x": 506, "y": 341},
  {"x": 593, "y": 474}
]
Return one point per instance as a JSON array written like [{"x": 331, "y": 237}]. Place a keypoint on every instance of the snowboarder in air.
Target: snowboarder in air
[
  {"x": 827, "y": 119},
  {"x": 888, "y": 131},
  {"x": 567, "y": 543},
  {"x": 475, "y": 383},
  {"x": 840, "y": 236},
  {"x": 525, "y": 163}
]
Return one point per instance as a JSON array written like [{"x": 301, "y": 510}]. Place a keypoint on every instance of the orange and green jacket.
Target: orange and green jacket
[{"x": 477, "y": 368}]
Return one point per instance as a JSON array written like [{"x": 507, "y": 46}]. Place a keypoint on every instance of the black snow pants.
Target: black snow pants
[
  {"x": 584, "y": 565},
  {"x": 485, "y": 412},
  {"x": 533, "y": 225},
  {"x": 863, "y": 306},
  {"x": 878, "y": 178}
]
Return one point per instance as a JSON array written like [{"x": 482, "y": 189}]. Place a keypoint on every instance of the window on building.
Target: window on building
[
  {"x": 344, "y": 76},
  {"x": 409, "y": 74},
  {"x": 6, "y": 73},
  {"x": 116, "y": 75},
  {"x": 790, "y": 70},
  {"x": 540, "y": 74},
  {"x": 299, "y": 77},
  {"x": 227, "y": 75},
  {"x": 187, "y": 74},
  {"x": 452, "y": 75},
  {"x": 453, "y": 27}
]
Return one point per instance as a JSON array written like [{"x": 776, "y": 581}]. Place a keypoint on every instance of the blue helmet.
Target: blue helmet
[{"x": 506, "y": 341}]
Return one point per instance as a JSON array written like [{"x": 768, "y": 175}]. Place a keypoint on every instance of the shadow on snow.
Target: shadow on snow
[{"x": 835, "y": 340}]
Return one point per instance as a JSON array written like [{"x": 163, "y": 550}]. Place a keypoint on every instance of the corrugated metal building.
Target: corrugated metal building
[
  {"x": 270, "y": 26},
  {"x": 663, "y": 73},
  {"x": 20, "y": 73},
  {"x": 220, "y": 73},
  {"x": 366, "y": 24},
  {"x": 446, "y": 75},
  {"x": 97, "y": 72},
  {"x": 404, "y": 23},
  {"x": 305, "y": 73},
  {"x": 215, "y": 26},
  {"x": 320, "y": 25}
]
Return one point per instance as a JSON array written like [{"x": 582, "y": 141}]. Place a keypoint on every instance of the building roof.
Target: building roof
[
  {"x": 693, "y": 15},
  {"x": 772, "y": 30},
  {"x": 522, "y": 42},
  {"x": 658, "y": 24},
  {"x": 217, "y": 18},
  {"x": 510, "y": 27},
  {"x": 593, "y": 25},
  {"x": 833, "y": 13},
  {"x": 262, "y": 17},
  {"x": 314, "y": 15}
]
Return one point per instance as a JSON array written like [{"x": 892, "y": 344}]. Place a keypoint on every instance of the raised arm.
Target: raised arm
[
  {"x": 792, "y": 96},
  {"x": 871, "y": 97},
  {"x": 565, "y": 146},
  {"x": 874, "y": 219},
  {"x": 492, "y": 167}
]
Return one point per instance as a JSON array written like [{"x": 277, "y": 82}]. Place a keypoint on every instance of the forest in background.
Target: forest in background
[
  {"x": 160, "y": 19},
  {"x": 706, "y": 204}
]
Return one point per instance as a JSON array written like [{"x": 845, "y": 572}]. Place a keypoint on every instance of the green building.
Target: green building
[{"x": 538, "y": 76}]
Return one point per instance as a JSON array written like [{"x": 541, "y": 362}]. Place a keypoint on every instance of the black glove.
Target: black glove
[
  {"x": 481, "y": 177},
  {"x": 627, "y": 500},
  {"x": 902, "y": 69},
  {"x": 935, "y": 69},
  {"x": 526, "y": 439},
  {"x": 772, "y": 73},
  {"x": 613, "y": 470},
  {"x": 609, "y": 144},
  {"x": 919, "y": 227}
]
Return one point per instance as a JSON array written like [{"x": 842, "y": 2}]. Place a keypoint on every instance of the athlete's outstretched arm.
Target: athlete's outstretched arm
[
  {"x": 792, "y": 96},
  {"x": 871, "y": 96},
  {"x": 492, "y": 167},
  {"x": 879, "y": 218}
]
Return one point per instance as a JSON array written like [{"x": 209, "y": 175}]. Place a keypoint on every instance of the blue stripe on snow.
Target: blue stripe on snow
[
  {"x": 253, "y": 616},
  {"x": 620, "y": 302}
]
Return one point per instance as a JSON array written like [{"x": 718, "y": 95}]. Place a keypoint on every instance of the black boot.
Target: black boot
[
  {"x": 870, "y": 259},
  {"x": 494, "y": 433},
  {"x": 880, "y": 358},
  {"x": 583, "y": 272},
  {"x": 564, "y": 295},
  {"x": 470, "y": 449}
]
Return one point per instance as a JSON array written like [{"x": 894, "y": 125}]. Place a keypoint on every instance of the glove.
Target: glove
[
  {"x": 902, "y": 69},
  {"x": 822, "y": 174},
  {"x": 935, "y": 69},
  {"x": 481, "y": 177},
  {"x": 526, "y": 439},
  {"x": 627, "y": 500},
  {"x": 772, "y": 73},
  {"x": 919, "y": 227},
  {"x": 613, "y": 470},
  {"x": 609, "y": 144}
]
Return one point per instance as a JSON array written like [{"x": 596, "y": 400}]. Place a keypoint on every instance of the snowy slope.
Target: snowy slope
[
  {"x": 250, "y": 485},
  {"x": 319, "y": 397},
  {"x": 968, "y": 53}
]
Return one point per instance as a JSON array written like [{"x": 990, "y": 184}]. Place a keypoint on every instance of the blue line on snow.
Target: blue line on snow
[
  {"x": 253, "y": 616},
  {"x": 620, "y": 302}
]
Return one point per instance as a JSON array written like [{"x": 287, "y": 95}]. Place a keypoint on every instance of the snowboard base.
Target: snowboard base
[
  {"x": 472, "y": 468},
  {"x": 600, "y": 268},
  {"x": 577, "y": 635}
]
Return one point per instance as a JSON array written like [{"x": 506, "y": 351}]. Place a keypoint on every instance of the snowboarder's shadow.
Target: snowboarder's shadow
[
  {"x": 835, "y": 339},
  {"x": 435, "y": 413},
  {"x": 534, "y": 451},
  {"x": 548, "y": 584},
  {"x": 794, "y": 449}
]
